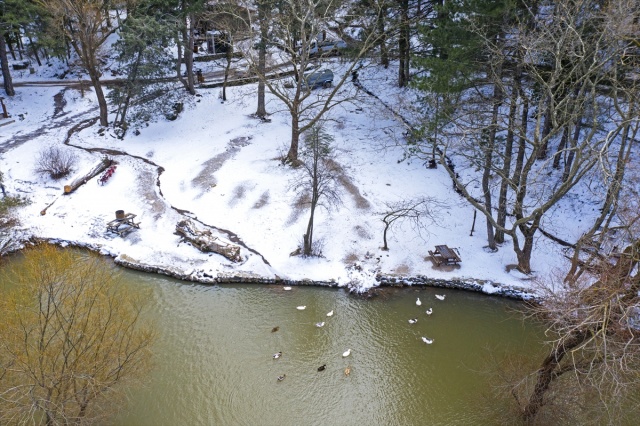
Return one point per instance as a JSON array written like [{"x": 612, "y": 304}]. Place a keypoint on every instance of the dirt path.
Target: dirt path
[{"x": 60, "y": 119}]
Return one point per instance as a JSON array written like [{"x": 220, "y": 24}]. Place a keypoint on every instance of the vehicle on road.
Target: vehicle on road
[
  {"x": 326, "y": 47},
  {"x": 320, "y": 78}
]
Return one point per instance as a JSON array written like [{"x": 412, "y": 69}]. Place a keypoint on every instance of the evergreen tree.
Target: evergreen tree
[{"x": 144, "y": 51}]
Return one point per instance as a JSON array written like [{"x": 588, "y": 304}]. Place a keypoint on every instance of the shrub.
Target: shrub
[{"x": 55, "y": 162}]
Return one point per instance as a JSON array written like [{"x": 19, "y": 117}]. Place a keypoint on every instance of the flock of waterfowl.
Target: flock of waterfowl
[
  {"x": 319, "y": 324},
  {"x": 428, "y": 312},
  {"x": 346, "y": 353}
]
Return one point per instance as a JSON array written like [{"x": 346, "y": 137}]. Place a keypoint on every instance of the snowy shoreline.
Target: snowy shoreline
[{"x": 486, "y": 287}]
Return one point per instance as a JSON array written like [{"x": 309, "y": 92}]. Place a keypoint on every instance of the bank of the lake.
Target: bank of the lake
[{"x": 185, "y": 273}]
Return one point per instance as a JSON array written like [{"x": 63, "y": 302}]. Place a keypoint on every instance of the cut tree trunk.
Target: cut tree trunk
[
  {"x": 95, "y": 171},
  {"x": 205, "y": 241}
]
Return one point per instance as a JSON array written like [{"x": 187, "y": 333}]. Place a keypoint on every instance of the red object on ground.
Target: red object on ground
[{"x": 107, "y": 174}]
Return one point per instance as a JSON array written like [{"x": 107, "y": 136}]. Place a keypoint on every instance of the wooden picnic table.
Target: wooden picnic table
[
  {"x": 444, "y": 254},
  {"x": 123, "y": 226}
]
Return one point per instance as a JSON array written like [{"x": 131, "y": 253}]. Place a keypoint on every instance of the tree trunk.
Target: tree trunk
[
  {"x": 102, "y": 101},
  {"x": 546, "y": 129},
  {"x": 187, "y": 38},
  {"x": 384, "y": 52},
  {"x": 6, "y": 72},
  {"x": 403, "y": 44},
  {"x": 506, "y": 167},
  {"x": 262, "y": 59},
  {"x": 547, "y": 373},
  {"x": 292, "y": 155},
  {"x": 522, "y": 144},
  {"x": 488, "y": 163},
  {"x": 308, "y": 237},
  {"x": 561, "y": 147},
  {"x": 34, "y": 49},
  {"x": 385, "y": 247},
  {"x": 7, "y": 41},
  {"x": 572, "y": 151},
  {"x": 229, "y": 57}
]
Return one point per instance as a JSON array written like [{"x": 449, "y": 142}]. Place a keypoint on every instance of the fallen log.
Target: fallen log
[
  {"x": 95, "y": 171},
  {"x": 206, "y": 242}
]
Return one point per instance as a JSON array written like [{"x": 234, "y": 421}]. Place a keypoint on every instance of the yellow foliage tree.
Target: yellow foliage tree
[{"x": 69, "y": 339}]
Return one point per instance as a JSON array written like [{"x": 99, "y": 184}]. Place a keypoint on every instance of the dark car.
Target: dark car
[{"x": 321, "y": 78}]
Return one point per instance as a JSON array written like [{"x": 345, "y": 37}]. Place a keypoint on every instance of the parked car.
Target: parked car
[
  {"x": 326, "y": 47},
  {"x": 320, "y": 78}
]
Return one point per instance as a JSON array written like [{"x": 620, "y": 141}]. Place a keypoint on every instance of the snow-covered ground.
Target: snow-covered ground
[{"x": 221, "y": 166}]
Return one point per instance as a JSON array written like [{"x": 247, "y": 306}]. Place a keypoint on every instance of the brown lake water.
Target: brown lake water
[{"x": 214, "y": 364}]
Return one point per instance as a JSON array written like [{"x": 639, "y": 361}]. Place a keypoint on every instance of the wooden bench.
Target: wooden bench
[
  {"x": 444, "y": 254},
  {"x": 123, "y": 226}
]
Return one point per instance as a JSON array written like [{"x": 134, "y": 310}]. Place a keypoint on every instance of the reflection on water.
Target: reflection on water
[{"x": 214, "y": 360}]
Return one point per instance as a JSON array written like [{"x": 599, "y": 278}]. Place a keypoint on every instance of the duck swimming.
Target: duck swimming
[
  {"x": 440, "y": 296},
  {"x": 347, "y": 371},
  {"x": 418, "y": 302},
  {"x": 320, "y": 324},
  {"x": 281, "y": 378},
  {"x": 286, "y": 288},
  {"x": 413, "y": 320},
  {"x": 277, "y": 355},
  {"x": 330, "y": 314},
  {"x": 427, "y": 341},
  {"x": 322, "y": 367},
  {"x": 274, "y": 329},
  {"x": 429, "y": 311},
  {"x": 301, "y": 308},
  {"x": 346, "y": 353}
]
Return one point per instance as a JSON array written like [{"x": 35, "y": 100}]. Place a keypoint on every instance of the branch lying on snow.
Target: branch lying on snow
[{"x": 204, "y": 241}]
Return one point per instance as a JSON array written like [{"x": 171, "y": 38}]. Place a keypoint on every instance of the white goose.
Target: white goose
[
  {"x": 427, "y": 341},
  {"x": 429, "y": 311},
  {"x": 413, "y": 320},
  {"x": 346, "y": 353},
  {"x": 301, "y": 308},
  {"x": 440, "y": 296},
  {"x": 418, "y": 302},
  {"x": 330, "y": 314}
]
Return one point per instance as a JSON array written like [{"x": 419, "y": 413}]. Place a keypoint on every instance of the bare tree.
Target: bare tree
[
  {"x": 87, "y": 26},
  {"x": 320, "y": 179},
  {"x": 421, "y": 212},
  {"x": 577, "y": 38},
  {"x": 594, "y": 339},
  {"x": 295, "y": 27},
  {"x": 71, "y": 338}
]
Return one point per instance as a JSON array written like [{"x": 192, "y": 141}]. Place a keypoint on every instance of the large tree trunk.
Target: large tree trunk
[
  {"x": 102, "y": 101},
  {"x": 6, "y": 73},
  {"x": 187, "y": 44},
  {"x": 262, "y": 58},
  {"x": 548, "y": 372},
  {"x": 403, "y": 44},
  {"x": 384, "y": 51},
  {"x": 488, "y": 163},
  {"x": 292, "y": 155},
  {"x": 506, "y": 167}
]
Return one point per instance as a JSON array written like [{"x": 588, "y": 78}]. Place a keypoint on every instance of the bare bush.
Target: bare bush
[{"x": 55, "y": 162}]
